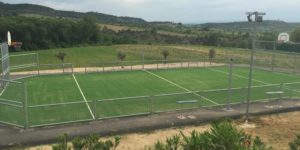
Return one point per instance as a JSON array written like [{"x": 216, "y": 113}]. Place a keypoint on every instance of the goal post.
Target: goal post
[
  {"x": 28, "y": 63},
  {"x": 5, "y": 66}
]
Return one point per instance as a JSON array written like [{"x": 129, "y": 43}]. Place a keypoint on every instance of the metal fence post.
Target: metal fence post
[
  {"x": 143, "y": 58},
  {"x": 95, "y": 109},
  {"x": 229, "y": 84},
  {"x": 38, "y": 63},
  {"x": 150, "y": 104},
  {"x": 102, "y": 67},
  {"x": 295, "y": 63},
  {"x": 72, "y": 68},
  {"x": 273, "y": 57},
  {"x": 25, "y": 107}
]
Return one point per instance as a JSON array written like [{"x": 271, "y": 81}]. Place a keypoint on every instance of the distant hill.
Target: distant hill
[
  {"x": 268, "y": 25},
  {"x": 31, "y": 9}
]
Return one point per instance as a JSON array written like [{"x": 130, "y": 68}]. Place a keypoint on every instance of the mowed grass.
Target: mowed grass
[{"x": 57, "y": 98}]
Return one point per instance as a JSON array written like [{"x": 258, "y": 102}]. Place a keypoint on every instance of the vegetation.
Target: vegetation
[
  {"x": 222, "y": 136},
  {"x": 211, "y": 55},
  {"x": 40, "y": 11},
  {"x": 61, "y": 56},
  {"x": 295, "y": 36},
  {"x": 295, "y": 144},
  {"x": 165, "y": 54},
  {"x": 91, "y": 142},
  {"x": 121, "y": 56},
  {"x": 40, "y": 27}
]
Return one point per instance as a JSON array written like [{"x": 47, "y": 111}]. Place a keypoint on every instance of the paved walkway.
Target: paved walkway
[
  {"x": 13, "y": 136},
  {"x": 117, "y": 68}
]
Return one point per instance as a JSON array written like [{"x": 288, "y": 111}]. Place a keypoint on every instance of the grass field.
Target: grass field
[
  {"x": 99, "y": 56},
  {"x": 79, "y": 97}
]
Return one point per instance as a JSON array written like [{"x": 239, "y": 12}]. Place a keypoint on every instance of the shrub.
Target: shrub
[
  {"x": 222, "y": 136},
  {"x": 295, "y": 144},
  {"x": 211, "y": 55},
  {"x": 91, "y": 142}
]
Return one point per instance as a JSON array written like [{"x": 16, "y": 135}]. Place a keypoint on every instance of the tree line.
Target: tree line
[{"x": 45, "y": 33}]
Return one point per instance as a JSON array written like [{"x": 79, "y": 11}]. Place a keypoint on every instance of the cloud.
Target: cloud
[{"x": 180, "y": 10}]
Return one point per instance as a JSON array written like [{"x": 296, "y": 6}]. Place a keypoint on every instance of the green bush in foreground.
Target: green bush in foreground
[
  {"x": 295, "y": 144},
  {"x": 222, "y": 136},
  {"x": 91, "y": 142}
]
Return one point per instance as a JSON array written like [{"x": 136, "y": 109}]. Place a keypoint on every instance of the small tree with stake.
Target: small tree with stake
[
  {"x": 121, "y": 56},
  {"x": 211, "y": 55},
  {"x": 165, "y": 54},
  {"x": 61, "y": 56}
]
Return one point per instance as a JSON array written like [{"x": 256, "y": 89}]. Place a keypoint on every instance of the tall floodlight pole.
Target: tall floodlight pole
[{"x": 258, "y": 17}]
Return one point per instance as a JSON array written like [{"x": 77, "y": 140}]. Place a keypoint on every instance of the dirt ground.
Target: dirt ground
[
  {"x": 124, "y": 68},
  {"x": 275, "y": 130}
]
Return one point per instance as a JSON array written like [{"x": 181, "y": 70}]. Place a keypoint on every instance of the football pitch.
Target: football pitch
[{"x": 55, "y": 99}]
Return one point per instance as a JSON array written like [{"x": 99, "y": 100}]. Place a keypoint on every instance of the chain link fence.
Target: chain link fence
[{"x": 31, "y": 115}]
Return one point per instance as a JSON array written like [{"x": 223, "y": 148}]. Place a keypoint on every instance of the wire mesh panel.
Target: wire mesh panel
[
  {"x": 265, "y": 54},
  {"x": 48, "y": 114},
  {"x": 68, "y": 68},
  {"x": 24, "y": 65},
  {"x": 177, "y": 101},
  {"x": 24, "y": 61},
  {"x": 292, "y": 90},
  {"x": 12, "y": 101},
  {"x": 45, "y": 69},
  {"x": 118, "y": 107},
  {"x": 239, "y": 94},
  {"x": 12, "y": 113}
]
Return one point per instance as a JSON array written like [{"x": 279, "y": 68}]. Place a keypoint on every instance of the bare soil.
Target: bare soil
[{"x": 275, "y": 130}]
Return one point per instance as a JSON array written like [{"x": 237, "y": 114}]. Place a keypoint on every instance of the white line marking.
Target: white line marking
[
  {"x": 4, "y": 89},
  {"x": 180, "y": 87},
  {"x": 239, "y": 76},
  {"x": 88, "y": 106}
]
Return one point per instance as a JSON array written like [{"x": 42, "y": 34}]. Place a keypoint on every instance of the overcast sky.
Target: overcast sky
[{"x": 186, "y": 11}]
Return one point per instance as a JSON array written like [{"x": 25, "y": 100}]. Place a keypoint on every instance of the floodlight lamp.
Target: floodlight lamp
[{"x": 259, "y": 18}]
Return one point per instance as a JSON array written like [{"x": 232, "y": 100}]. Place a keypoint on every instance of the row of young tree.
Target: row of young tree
[
  {"x": 222, "y": 135},
  {"x": 121, "y": 56}
]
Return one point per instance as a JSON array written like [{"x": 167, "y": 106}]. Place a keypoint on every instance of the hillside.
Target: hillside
[
  {"x": 31, "y": 10},
  {"x": 266, "y": 26},
  {"x": 21, "y": 9}
]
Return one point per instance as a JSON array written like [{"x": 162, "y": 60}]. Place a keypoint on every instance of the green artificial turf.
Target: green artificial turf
[{"x": 57, "y": 98}]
